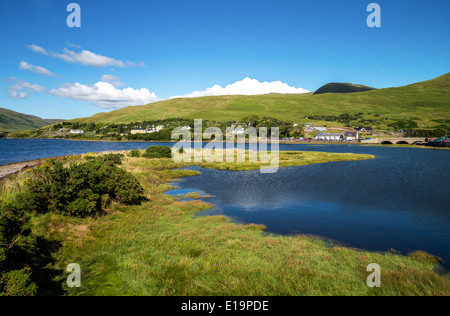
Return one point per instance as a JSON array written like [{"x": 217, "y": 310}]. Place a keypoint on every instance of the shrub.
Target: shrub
[
  {"x": 114, "y": 158},
  {"x": 135, "y": 153},
  {"x": 15, "y": 240},
  {"x": 82, "y": 190},
  {"x": 17, "y": 246},
  {"x": 17, "y": 283},
  {"x": 158, "y": 152}
]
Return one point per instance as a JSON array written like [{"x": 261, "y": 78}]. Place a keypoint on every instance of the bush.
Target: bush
[
  {"x": 17, "y": 246},
  {"x": 158, "y": 152},
  {"x": 135, "y": 153},
  {"x": 15, "y": 240},
  {"x": 114, "y": 158},
  {"x": 17, "y": 283},
  {"x": 82, "y": 190}
]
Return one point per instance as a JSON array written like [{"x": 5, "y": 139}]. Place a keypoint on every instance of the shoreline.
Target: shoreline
[
  {"x": 247, "y": 142},
  {"x": 12, "y": 168},
  {"x": 8, "y": 170}
]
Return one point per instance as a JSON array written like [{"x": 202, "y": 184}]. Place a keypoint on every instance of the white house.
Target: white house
[
  {"x": 238, "y": 131},
  {"x": 76, "y": 131},
  {"x": 351, "y": 135},
  {"x": 138, "y": 131},
  {"x": 312, "y": 128},
  {"x": 364, "y": 129},
  {"x": 329, "y": 136}
]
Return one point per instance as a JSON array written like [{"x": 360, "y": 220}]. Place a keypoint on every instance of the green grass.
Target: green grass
[
  {"x": 162, "y": 248},
  {"x": 426, "y": 102},
  {"x": 11, "y": 121}
]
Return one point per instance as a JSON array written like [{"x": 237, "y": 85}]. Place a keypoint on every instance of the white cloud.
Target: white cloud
[
  {"x": 73, "y": 45},
  {"x": 36, "y": 69},
  {"x": 114, "y": 80},
  {"x": 37, "y": 49},
  {"x": 105, "y": 95},
  {"x": 19, "y": 89},
  {"x": 85, "y": 58},
  {"x": 246, "y": 86}
]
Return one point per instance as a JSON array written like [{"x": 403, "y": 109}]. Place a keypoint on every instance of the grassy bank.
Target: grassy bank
[{"x": 162, "y": 248}]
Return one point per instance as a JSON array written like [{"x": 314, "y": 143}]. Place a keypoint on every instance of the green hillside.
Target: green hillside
[
  {"x": 11, "y": 121},
  {"x": 427, "y": 103},
  {"x": 336, "y": 87}
]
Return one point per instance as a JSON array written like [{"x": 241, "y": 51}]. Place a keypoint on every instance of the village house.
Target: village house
[
  {"x": 329, "y": 136},
  {"x": 364, "y": 129},
  {"x": 351, "y": 136},
  {"x": 138, "y": 131},
  {"x": 238, "y": 131},
  {"x": 313, "y": 128},
  {"x": 150, "y": 129}
]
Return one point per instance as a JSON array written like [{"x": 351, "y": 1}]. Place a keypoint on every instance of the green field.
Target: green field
[
  {"x": 426, "y": 103},
  {"x": 11, "y": 121}
]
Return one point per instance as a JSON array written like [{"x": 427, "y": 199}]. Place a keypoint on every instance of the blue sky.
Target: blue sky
[{"x": 130, "y": 51}]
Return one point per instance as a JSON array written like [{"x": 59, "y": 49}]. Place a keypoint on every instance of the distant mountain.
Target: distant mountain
[
  {"x": 342, "y": 88},
  {"x": 11, "y": 121}
]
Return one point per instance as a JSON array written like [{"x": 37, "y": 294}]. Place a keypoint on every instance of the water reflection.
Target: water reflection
[{"x": 398, "y": 200}]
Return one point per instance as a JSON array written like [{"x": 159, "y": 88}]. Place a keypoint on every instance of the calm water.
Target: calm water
[
  {"x": 399, "y": 200},
  {"x": 17, "y": 150}
]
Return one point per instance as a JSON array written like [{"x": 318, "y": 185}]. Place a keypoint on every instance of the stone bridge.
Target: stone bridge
[{"x": 394, "y": 140}]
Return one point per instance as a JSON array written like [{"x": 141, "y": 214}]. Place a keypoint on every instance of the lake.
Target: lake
[
  {"x": 17, "y": 150},
  {"x": 400, "y": 200}
]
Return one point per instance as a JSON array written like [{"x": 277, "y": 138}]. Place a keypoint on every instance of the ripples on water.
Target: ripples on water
[{"x": 397, "y": 201}]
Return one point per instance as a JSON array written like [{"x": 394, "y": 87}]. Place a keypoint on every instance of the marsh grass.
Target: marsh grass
[{"x": 163, "y": 248}]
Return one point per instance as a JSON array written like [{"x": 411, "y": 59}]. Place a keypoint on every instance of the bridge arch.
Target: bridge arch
[
  {"x": 386, "y": 142},
  {"x": 402, "y": 142}
]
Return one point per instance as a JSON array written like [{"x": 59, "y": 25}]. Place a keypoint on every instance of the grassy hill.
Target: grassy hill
[
  {"x": 427, "y": 103},
  {"x": 11, "y": 121},
  {"x": 336, "y": 87}
]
